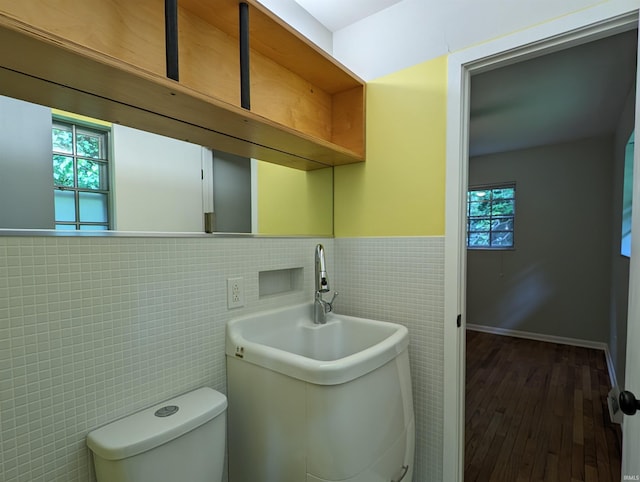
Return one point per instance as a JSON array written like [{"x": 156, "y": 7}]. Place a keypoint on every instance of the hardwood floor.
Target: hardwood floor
[{"x": 537, "y": 411}]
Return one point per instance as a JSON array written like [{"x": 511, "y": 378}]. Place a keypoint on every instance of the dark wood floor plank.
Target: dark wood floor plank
[
  {"x": 566, "y": 446},
  {"x": 591, "y": 474},
  {"x": 537, "y": 411},
  {"x": 577, "y": 462},
  {"x": 511, "y": 466},
  {"x": 578, "y": 428}
]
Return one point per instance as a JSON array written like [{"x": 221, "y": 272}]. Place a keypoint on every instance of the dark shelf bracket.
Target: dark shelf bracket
[
  {"x": 171, "y": 37},
  {"x": 245, "y": 96}
]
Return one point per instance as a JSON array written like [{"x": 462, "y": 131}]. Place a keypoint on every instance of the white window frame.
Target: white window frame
[
  {"x": 76, "y": 125},
  {"x": 490, "y": 217}
]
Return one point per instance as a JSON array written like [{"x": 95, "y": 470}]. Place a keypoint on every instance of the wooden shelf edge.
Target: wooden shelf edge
[{"x": 73, "y": 77}]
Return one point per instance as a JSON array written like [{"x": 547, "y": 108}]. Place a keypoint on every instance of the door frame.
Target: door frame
[{"x": 603, "y": 20}]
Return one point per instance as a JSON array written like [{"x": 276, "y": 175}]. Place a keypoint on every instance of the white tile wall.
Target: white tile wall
[
  {"x": 93, "y": 329},
  {"x": 402, "y": 280}
]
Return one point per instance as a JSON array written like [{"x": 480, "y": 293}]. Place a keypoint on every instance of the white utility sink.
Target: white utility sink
[
  {"x": 332, "y": 402},
  {"x": 287, "y": 341}
]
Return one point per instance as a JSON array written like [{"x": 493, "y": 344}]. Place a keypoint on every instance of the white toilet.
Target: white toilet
[{"x": 180, "y": 439}]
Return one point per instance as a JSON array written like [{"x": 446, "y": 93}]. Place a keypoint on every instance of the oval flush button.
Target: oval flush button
[{"x": 166, "y": 411}]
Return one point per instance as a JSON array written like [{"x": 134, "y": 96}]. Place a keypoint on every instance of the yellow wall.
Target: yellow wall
[
  {"x": 294, "y": 202},
  {"x": 400, "y": 189}
]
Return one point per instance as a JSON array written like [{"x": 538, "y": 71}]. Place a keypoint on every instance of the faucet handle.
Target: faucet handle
[{"x": 330, "y": 303}]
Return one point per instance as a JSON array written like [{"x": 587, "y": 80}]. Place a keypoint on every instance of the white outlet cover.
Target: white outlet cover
[{"x": 235, "y": 293}]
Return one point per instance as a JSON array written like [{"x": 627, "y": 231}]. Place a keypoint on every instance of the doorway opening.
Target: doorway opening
[
  {"x": 557, "y": 36},
  {"x": 554, "y": 127}
]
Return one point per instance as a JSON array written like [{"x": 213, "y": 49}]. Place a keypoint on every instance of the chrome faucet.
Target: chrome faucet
[{"x": 320, "y": 306}]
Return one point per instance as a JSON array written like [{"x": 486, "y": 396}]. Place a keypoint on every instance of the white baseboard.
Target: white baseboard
[
  {"x": 553, "y": 339},
  {"x": 538, "y": 336}
]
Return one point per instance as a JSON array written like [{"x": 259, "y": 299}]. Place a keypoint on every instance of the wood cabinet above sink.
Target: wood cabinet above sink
[{"x": 106, "y": 59}]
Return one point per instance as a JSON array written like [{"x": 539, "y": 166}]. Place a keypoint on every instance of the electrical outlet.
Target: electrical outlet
[{"x": 235, "y": 293}]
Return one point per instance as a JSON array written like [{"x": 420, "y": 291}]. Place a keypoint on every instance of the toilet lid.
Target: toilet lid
[{"x": 156, "y": 425}]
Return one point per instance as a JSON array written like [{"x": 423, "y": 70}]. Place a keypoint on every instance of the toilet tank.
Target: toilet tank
[{"x": 182, "y": 439}]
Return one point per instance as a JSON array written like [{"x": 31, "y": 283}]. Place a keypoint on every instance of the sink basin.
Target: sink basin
[
  {"x": 287, "y": 341},
  {"x": 334, "y": 401}
]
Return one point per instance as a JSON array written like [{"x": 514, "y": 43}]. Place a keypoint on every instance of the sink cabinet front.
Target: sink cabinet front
[{"x": 282, "y": 429}]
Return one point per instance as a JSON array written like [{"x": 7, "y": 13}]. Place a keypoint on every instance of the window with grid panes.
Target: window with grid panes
[
  {"x": 80, "y": 176},
  {"x": 490, "y": 217}
]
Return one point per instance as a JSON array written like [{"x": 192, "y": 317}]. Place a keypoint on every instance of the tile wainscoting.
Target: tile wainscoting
[
  {"x": 93, "y": 329},
  {"x": 402, "y": 280}
]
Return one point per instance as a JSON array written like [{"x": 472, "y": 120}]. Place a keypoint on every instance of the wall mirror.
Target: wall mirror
[{"x": 63, "y": 171}]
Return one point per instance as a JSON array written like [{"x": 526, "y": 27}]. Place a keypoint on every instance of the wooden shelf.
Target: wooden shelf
[{"x": 307, "y": 111}]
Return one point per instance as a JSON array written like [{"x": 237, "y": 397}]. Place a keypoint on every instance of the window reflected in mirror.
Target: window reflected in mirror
[
  {"x": 80, "y": 174},
  {"x": 67, "y": 172}
]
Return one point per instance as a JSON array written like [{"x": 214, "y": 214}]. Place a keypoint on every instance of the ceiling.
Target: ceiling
[
  {"x": 568, "y": 95},
  {"x": 337, "y": 14}
]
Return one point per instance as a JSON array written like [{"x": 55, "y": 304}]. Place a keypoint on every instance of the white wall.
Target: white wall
[
  {"x": 557, "y": 279},
  {"x": 157, "y": 183}
]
